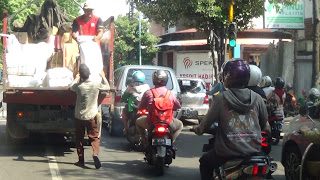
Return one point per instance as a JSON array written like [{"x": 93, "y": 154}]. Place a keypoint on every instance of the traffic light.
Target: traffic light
[{"x": 232, "y": 34}]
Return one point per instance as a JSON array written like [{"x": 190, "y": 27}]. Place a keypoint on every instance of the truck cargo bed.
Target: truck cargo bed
[{"x": 48, "y": 96}]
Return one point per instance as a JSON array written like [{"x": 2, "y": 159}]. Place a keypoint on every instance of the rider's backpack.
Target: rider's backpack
[
  {"x": 272, "y": 103},
  {"x": 162, "y": 110}
]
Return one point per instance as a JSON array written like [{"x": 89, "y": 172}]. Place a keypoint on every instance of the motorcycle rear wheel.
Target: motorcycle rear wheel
[
  {"x": 160, "y": 166},
  {"x": 275, "y": 138}
]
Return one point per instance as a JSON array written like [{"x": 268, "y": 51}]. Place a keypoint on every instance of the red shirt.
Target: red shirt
[{"x": 87, "y": 28}]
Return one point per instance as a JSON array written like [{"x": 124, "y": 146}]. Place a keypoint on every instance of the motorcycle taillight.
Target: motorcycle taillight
[
  {"x": 161, "y": 129},
  {"x": 264, "y": 142},
  {"x": 256, "y": 170},
  {"x": 264, "y": 170},
  {"x": 143, "y": 112}
]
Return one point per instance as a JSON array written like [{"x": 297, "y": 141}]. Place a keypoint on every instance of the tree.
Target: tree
[
  {"x": 126, "y": 44},
  {"x": 205, "y": 15}
]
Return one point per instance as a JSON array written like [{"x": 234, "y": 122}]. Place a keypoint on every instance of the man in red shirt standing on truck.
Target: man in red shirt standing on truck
[{"x": 88, "y": 24}]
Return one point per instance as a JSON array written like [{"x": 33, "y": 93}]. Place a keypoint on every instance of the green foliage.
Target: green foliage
[
  {"x": 126, "y": 45},
  {"x": 202, "y": 14}
]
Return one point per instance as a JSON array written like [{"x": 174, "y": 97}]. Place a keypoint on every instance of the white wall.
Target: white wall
[{"x": 308, "y": 9}]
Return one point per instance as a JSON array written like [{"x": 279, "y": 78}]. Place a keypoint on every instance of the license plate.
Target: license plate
[
  {"x": 190, "y": 113},
  {"x": 166, "y": 142}
]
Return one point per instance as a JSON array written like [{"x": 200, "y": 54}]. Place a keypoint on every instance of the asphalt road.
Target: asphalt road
[{"x": 48, "y": 157}]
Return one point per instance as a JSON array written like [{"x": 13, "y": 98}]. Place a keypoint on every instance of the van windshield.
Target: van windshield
[{"x": 148, "y": 73}]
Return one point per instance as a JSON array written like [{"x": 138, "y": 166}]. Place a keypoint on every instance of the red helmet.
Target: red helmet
[{"x": 236, "y": 73}]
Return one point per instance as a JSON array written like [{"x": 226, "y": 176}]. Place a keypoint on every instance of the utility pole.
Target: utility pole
[
  {"x": 139, "y": 38},
  {"x": 316, "y": 44}
]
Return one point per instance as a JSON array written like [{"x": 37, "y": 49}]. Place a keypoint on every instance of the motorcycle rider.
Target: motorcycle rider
[
  {"x": 159, "y": 79},
  {"x": 133, "y": 95},
  {"x": 266, "y": 85},
  {"x": 313, "y": 103},
  {"x": 279, "y": 91},
  {"x": 254, "y": 81},
  {"x": 239, "y": 112},
  {"x": 314, "y": 95},
  {"x": 288, "y": 106}
]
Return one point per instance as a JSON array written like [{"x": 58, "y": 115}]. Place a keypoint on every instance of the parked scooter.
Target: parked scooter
[
  {"x": 258, "y": 166},
  {"x": 160, "y": 151},
  {"x": 132, "y": 134},
  {"x": 276, "y": 124}
]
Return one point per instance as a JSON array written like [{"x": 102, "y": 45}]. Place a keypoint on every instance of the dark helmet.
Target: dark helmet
[
  {"x": 288, "y": 87},
  {"x": 279, "y": 83},
  {"x": 160, "y": 78},
  {"x": 236, "y": 73}
]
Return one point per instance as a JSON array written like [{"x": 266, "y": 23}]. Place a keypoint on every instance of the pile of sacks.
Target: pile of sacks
[{"x": 26, "y": 65}]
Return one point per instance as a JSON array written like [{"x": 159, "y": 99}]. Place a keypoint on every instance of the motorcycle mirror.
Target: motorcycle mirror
[{"x": 303, "y": 111}]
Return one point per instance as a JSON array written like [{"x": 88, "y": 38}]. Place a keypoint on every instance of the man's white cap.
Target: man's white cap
[{"x": 87, "y": 6}]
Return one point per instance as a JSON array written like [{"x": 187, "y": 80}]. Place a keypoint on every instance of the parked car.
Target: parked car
[
  {"x": 295, "y": 144},
  {"x": 122, "y": 77},
  {"x": 195, "y": 101}
]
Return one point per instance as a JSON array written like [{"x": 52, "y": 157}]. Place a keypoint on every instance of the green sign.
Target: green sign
[{"x": 284, "y": 17}]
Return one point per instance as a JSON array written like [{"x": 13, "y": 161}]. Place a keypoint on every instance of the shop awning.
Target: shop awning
[{"x": 199, "y": 42}]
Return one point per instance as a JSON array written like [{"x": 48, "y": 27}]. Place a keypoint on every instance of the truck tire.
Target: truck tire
[
  {"x": 115, "y": 126},
  {"x": 15, "y": 133}
]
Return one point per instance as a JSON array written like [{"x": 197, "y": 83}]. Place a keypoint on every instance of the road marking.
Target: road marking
[{"x": 53, "y": 166}]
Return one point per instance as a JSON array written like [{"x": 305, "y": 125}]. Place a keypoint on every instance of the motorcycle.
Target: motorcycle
[
  {"x": 290, "y": 106},
  {"x": 258, "y": 166},
  {"x": 276, "y": 124},
  {"x": 160, "y": 151},
  {"x": 132, "y": 134}
]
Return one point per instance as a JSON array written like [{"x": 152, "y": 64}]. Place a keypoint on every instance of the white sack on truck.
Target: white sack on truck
[
  {"x": 26, "y": 81},
  {"x": 90, "y": 54},
  {"x": 58, "y": 77},
  {"x": 20, "y": 81},
  {"x": 27, "y": 59}
]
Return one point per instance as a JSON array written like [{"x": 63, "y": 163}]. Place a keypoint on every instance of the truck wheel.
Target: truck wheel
[
  {"x": 11, "y": 135},
  {"x": 115, "y": 127},
  {"x": 15, "y": 133}
]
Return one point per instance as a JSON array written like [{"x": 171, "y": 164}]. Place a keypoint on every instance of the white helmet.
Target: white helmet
[
  {"x": 266, "y": 81},
  {"x": 255, "y": 75},
  {"x": 314, "y": 93}
]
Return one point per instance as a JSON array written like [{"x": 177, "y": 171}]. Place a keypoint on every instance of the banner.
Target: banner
[
  {"x": 195, "y": 65},
  {"x": 284, "y": 17}
]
